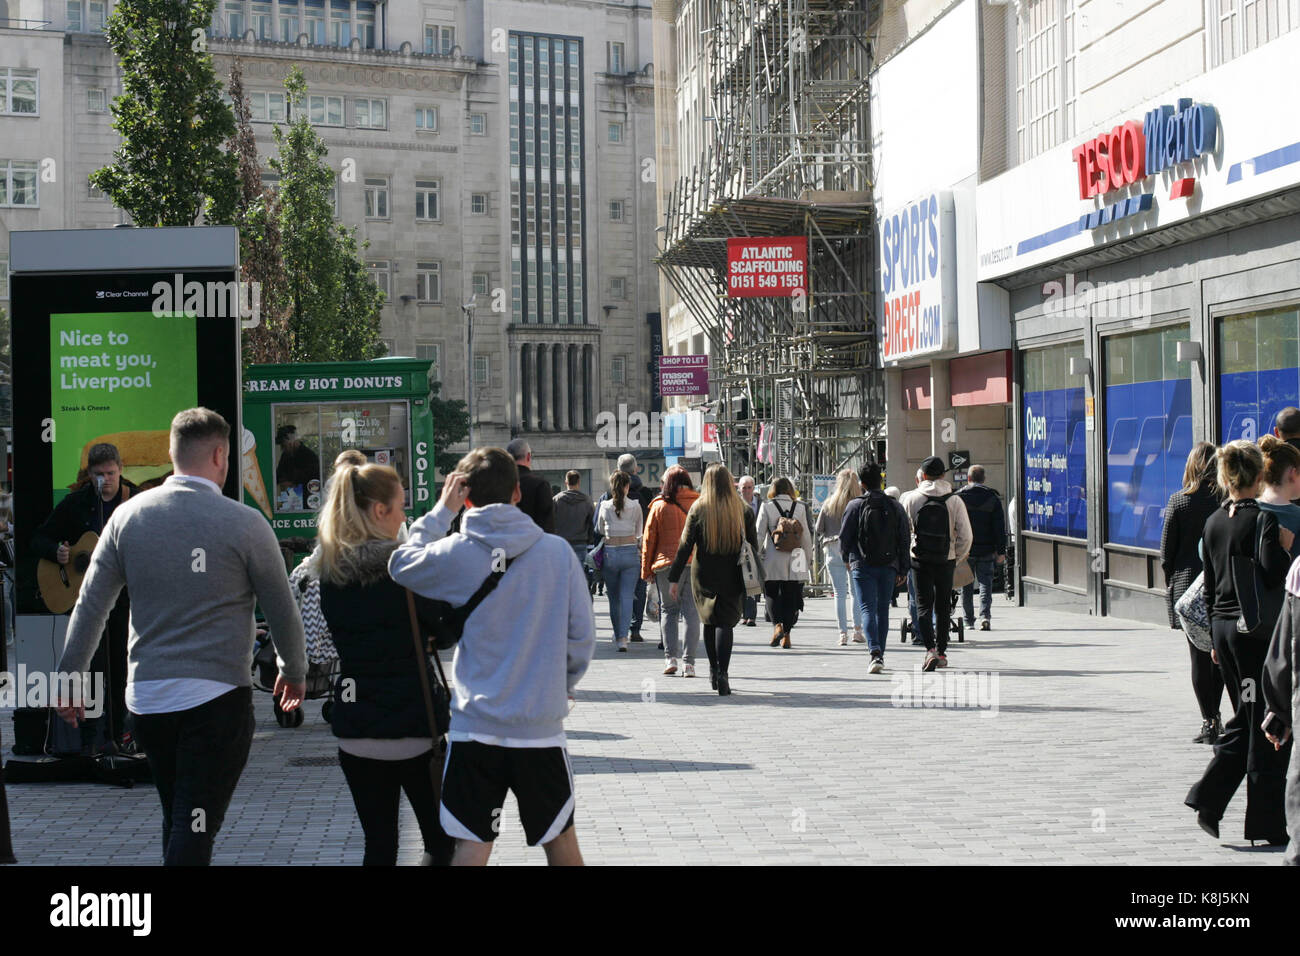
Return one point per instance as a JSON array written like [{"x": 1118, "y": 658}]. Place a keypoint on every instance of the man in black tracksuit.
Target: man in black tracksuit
[
  {"x": 87, "y": 509},
  {"x": 989, "y": 526}
]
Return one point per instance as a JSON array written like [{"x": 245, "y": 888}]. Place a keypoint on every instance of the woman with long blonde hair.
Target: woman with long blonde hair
[
  {"x": 716, "y": 527},
  {"x": 377, "y": 711},
  {"x": 827, "y": 531}
]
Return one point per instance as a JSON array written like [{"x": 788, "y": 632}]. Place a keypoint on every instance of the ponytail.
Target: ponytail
[
  {"x": 618, "y": 485},
  {"x": 345, "y": 521}
]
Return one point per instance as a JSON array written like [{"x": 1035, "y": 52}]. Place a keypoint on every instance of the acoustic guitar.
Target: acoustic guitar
[{"x": 60, "y": 584}]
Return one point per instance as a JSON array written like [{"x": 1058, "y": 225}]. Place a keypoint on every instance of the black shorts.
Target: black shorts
[{"x": 476, "y": 777}]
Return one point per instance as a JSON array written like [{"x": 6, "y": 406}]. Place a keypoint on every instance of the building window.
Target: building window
[
  {"x": 263, "y": 27},
  {"x": 618, "y": 370},
  {"x": 478, "y": 124},
  {"x": 618, "y": 287},
  {"x": 616, "y": 210},
  {"x": 19, "y": 92},
  {"x": 325, "y": 110},
  {"x": 266, "y": 107},
  {"x": 313, "y": 21},
  {"x": 289, "y": 28},
  {"x": 18, "y": 183},
  {"x": 1239, "y": 26},
  {"x": 431, "y": 352},
  {"x": 377, "y": 269},
  {"x": 1055, "y": 445},
  {"x": 370, "y": 113},
  {"x": 478, "y": 204},
  {"x": 482, "y": 369},
  {"x": 616, "y": 132},
  {"x": 1045, "y": 82},
  {"x": 271, "y": 181},
  {"x": 94, "y": 192},
  {"x": 426, "y": 200},
  {"x": 235, "y": 25},
  {"x": 1148, "y": 431},
  {"x": 340, "y": 22},
  {"x": 74, "y": 18},
  {"x": 98, "y": 15},
  {"x": 439, "y": 39},
  {"x": 96, "y": 100},
  {"x": 377, "y": 197},
  {"x": 366, "y": 24},
  {"x": 426, "y": 118},
  {"x": 428, "y": 281},
  {"x": 480, "y": 283},
  {"x": 615, "y": 57},
  {"x": 1259, "y": 362}
]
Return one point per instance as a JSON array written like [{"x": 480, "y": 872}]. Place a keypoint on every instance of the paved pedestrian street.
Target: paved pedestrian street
[{"x": 1078, "y": 751}]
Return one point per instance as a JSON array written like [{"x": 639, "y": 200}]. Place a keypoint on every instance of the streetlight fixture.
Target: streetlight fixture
[{"x": 468, "y": 310}]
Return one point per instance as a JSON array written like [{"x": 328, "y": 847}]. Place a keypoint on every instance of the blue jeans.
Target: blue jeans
[
  {"x": 638, "y": 604},
  {"x": 845, "y": 587},
  {"x": 983, "y": 568},
  {"x": 875, "y": 587},
  {"x": 621, "y": 568}
]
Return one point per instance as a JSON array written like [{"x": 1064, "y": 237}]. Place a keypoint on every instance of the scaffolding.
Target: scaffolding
[{"x": 788, "y": 154}]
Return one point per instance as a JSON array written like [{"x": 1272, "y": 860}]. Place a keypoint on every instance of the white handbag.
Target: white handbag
[{"x": 751, "y": 572}]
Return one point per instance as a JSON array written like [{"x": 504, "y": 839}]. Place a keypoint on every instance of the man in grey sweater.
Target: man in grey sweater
[{"x": 196, "y": 564}]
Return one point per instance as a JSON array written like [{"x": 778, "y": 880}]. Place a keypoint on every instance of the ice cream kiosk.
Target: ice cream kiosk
[{"x": 299, "y": 418}]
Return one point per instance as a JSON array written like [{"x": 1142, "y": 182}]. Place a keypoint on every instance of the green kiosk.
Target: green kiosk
[{"x": 298, "y": 418}]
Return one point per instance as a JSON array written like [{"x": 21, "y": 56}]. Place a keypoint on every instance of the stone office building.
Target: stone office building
[{"x": 493, "y": 155}]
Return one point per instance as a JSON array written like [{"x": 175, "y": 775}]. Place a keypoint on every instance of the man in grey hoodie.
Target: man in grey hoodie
[{"x": 522, "y": 653}]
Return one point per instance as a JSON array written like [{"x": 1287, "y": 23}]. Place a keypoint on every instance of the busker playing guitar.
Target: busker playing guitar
[{"x": 87, "y": 509}]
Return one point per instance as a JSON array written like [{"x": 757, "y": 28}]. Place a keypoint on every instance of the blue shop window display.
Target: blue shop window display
[
  {"x": 1259, "y": 371},
  {"x": 1148, "y": 431},
  {"x": 1055, "y": 444}
]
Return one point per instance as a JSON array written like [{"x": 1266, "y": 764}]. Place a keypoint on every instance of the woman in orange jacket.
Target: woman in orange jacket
[{"x": 663, "y": 533}]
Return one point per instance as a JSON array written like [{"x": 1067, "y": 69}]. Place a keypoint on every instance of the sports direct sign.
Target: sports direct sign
[
  {"x": 776, "y": 266},
  {"x": 918, "y": 287}
]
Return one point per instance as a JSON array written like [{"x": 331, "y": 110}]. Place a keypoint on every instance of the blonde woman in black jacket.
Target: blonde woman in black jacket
[{"x": 1246, "y": 562}]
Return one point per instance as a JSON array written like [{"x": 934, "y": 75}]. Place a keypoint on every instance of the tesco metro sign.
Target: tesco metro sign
[
  {"x": 1133, "y": 151},
  {"x": 918, "y": 287}
]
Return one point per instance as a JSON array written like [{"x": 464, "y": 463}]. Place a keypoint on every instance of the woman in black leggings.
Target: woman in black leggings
[
  {"x": 1185, "y": 517},
  {"x": 716, "y": 527},
  {"x": 386, "y": 746}
]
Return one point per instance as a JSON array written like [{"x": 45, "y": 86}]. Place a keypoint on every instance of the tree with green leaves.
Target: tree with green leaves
[
  {"x": 257, "y": 216},
  {"x": 333, "y": 306},
  {"x": 450, "y": 427},
  {"x": 171, "y": 167}
]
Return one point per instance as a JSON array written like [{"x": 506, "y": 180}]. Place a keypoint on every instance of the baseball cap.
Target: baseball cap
[{"x": 933, "y": 467}]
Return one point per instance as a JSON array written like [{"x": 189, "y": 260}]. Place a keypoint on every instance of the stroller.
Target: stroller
[
  {"x": 322, "y": 658},
  {"x": 962, "y": 576}
]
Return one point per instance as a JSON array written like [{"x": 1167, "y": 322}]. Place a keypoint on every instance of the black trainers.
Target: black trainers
[
  {"x": 985, "y": 624},
  {"x": 637, "y": 638},
  {"x": 1211, "y": 731}
]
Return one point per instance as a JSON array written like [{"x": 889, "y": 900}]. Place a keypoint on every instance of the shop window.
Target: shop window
[
  {"x": 310, "y": 437},
  {"x": 1148, "y": 396},
  {"x": 1259, "y": 370},
  {"x": 1055, "y": 444}
]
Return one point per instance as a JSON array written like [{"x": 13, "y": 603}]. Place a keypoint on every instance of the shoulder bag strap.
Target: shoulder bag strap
[{"x": 426, "y": 690}]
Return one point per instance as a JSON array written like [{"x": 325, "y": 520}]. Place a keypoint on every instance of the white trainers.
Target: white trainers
[
  {"x": 858, "y": 636},
  {"x": 672, "y": 666},
  {"x": 688, "y": 670},
  {"x": 844, "y": 638}
]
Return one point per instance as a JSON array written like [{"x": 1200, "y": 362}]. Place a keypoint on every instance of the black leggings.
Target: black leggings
[
  {"x": 717, "y": 644},
  {"x": 784, "y": 601},
  {"x": 1207, "y": 682},
  {"x": 376, "y": 787}
]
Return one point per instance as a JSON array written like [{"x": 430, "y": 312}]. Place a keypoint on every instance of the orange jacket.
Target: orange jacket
[{"x": 663, "y": 531}]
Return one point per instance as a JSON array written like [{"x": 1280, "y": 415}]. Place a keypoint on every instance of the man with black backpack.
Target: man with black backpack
[
  {"x": 523, "y": 650},
  {"x": 941, "y": 536},
  {"x": 874, "y": 541},
  {"x": 989, "y": 529}
]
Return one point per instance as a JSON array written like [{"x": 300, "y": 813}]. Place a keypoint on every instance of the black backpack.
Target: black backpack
[
  {"x": 933, "y": 530},
  {"x": 878, "y": 531}
]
